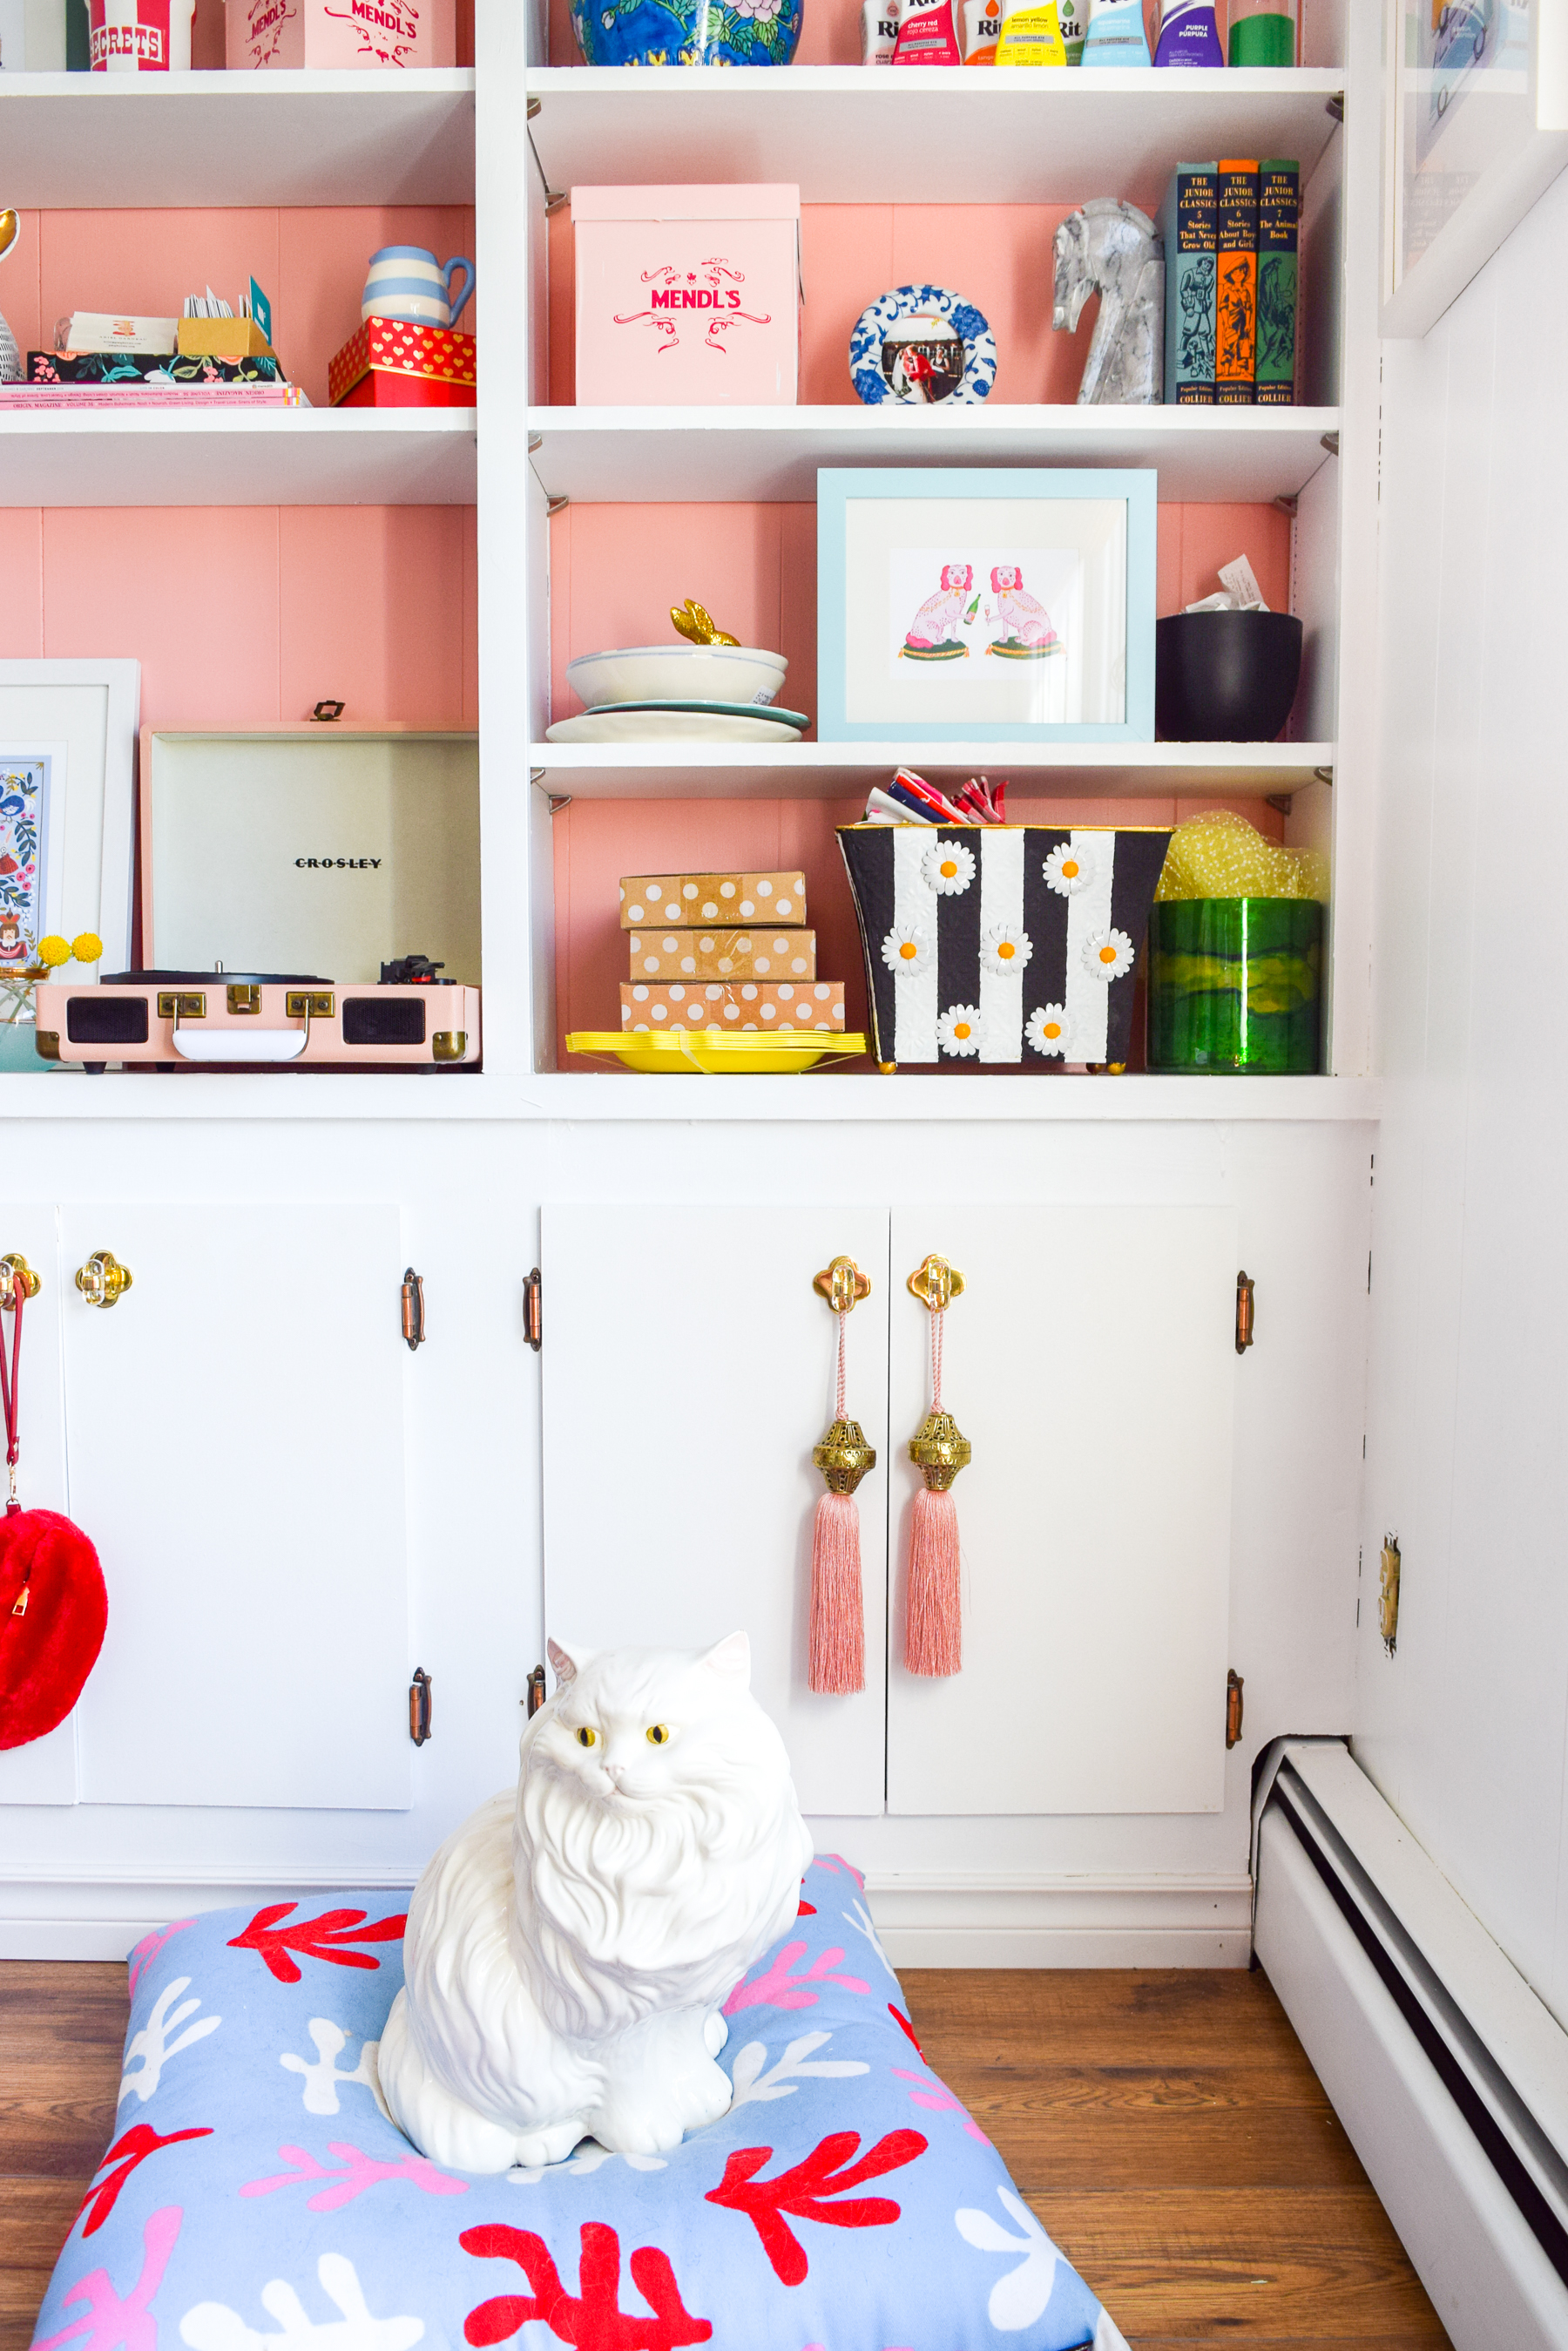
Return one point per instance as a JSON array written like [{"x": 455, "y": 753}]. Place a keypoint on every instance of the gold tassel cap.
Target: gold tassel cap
[
  {"x": 843, "y": 1456},
  {"x": 940, "y": 1450}
]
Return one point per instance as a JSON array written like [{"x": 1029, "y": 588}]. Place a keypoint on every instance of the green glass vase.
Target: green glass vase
[{"x": 1233, "y": 985}]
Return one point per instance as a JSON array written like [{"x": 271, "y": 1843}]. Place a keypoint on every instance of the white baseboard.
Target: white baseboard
[
  {"x": 992, "y": 1920},
  {"x": 1001, "y": 1920}
]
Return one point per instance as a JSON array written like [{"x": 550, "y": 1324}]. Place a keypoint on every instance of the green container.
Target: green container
[
  {"x": 1233, "y": 984},
  {"x": 1265, "y": 39}
]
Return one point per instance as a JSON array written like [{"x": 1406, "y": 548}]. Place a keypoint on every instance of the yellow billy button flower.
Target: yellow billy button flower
[
  {"x": 54, "y": 950},
  {"x": 86, "y": 946}
]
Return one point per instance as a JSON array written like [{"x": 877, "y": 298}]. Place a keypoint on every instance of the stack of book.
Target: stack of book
[
  {"x": 723, "y": 953},
  {"x": 1231, "y": 232}
]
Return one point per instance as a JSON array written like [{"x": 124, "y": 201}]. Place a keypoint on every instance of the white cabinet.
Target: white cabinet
[
  {"x": 687, "y": 1374},
  {"x": 1091, "y": 1363},
  {"x": 687, "y": 1371},
  {"x": 234, "y": 1450},
  {"x": 44, "y": 1773}
]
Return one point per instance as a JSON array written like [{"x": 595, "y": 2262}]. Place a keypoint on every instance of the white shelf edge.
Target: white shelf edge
[
  {"x": 833, "y": 771},
  {"x": 1026, "y": 84},
  {"x": 997, "y": 415},
  {"x": 310, "y": 81},
  {"x": 843, "y": 1099}
]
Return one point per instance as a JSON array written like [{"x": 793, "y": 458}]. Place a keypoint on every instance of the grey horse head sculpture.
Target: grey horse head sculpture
[{"x": 1111, "y": 249}]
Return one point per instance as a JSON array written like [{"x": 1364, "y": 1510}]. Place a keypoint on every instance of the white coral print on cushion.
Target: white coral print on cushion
[
  {"x": 1068, "y": 870},
  {"x": 907, "y": 950},
  {"x": 782, "y": 2080},
  {"x": 322, "y": 2077},
  {"x": 959, "y": 1032},
  {"x": 213, "y": 2326},
  {"x": 1108, "y": 954},
  {"x": 1004, "y": 948},
  {"x": 151, "y": 2048},
  {"x": 1047, "y": 1028},
  {"x": 949, "y": 867},
  {"x": 1018, "y": 2299}
]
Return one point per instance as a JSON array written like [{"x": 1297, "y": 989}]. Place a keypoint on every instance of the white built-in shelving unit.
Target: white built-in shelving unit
[{"x": 254, "y": 458}]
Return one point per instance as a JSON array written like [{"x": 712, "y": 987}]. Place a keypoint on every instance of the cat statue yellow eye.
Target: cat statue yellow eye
[
  {"x": 586, "y": 1738},
  {"x": 658, "y": 1732}
]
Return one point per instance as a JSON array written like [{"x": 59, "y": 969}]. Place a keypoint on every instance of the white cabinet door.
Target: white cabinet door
[
  {"x": 44, "y": 1773},
  {"x": 235, "y": 1450},
  {"x": 687, "y": 1371},
  {"x": 1090, "y": 1362}
]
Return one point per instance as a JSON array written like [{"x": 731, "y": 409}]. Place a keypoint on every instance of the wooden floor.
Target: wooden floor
[{"x": 1164, "y": 2124}]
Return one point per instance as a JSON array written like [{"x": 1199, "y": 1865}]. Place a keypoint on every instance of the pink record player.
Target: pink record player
[{"x": 250, "y": 1018}]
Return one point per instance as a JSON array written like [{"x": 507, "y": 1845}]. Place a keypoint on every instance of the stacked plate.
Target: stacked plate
[{"x": 680, "y": 693}]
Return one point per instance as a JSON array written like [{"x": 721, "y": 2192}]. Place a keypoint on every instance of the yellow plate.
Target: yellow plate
[{"x": 692, "y": 1051}]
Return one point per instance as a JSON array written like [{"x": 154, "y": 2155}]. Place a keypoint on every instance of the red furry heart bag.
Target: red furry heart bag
[{"x": 52, "y": 1604}]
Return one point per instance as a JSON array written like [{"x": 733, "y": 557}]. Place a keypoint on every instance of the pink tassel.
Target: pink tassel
[
  {"x": 837, "y": 1611},
  {"x": 933, "y": 1622},
  {"x": 933, "y": 1633}
]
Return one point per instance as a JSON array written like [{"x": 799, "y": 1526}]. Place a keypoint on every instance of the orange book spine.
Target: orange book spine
[{"x": 1236, "y": 338}]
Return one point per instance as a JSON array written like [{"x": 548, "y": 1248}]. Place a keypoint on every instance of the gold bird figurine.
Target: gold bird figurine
[{"x": 693, "y": 623}]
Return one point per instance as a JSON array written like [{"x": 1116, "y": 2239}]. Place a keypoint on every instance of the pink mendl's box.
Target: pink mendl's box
[
  {"x": 340, "y": 32},
  {"x": 688, "y": 296}
]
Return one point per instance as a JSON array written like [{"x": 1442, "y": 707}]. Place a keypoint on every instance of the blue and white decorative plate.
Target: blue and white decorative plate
[{"x": 920, "y": 345}]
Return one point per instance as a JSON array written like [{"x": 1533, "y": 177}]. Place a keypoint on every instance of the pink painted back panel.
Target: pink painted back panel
[
  {"x": 311, "y": 260},
  {"x": 596, "y": 842},
  {"x": 615, "y": 572},
  {"x": 249, "y": 616}
]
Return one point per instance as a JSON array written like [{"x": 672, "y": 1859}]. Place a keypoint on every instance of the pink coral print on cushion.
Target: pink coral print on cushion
[
  {"x": 113, "y": 2322},
  {"x": 940, "y": 2100},
  {"x": 355, "y": 2172},
  {"x": 779, "y": 1988},
  {"x": 147, "y": 1950}
]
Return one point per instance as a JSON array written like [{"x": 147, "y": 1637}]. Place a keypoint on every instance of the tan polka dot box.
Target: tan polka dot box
[
  {"x": 733, "y": 1007},
  {"x": 686, "y": 898},
  {"x": 757, "y": 954}
]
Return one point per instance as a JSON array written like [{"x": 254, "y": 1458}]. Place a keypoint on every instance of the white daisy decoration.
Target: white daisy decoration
[
  {"x": 1068, "y": 870},
  {"x": 1003, "y": 948},
  {"x": 1107, "y": 954},
  {"x": 907, "y": 949},
  {"x": 1047, "y": 1030},
  {"x": 949, "y": 867},
  {"x": 959, "y": 1032}
]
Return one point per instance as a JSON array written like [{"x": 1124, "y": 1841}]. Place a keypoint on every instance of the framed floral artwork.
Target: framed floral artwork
[
  {"x": 999, "y": 605},
  {"x": 67, "y": 750}
]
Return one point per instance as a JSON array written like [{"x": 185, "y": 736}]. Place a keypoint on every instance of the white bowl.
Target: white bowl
[{"x": 677, "y": 673}]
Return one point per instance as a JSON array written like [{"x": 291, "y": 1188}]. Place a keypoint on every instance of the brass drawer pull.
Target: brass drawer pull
[{"x": 103, "y": 1279}]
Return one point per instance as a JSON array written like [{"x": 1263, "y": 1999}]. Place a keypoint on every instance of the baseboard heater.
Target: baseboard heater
[{"x": 1449, "y": 2076}]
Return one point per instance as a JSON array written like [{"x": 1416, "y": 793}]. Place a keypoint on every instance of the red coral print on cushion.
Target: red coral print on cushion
[
  {"x": 136, "y": 2143},
  {"x": 592, "y": 2318},
  {"x": 777, "y": 1987},
  {"x": 904, "y": 2026},
  {"x": 806, "y": 1910},
  {"x": 829, "y": 2170},
  {"x": 317, "y": 1938}
]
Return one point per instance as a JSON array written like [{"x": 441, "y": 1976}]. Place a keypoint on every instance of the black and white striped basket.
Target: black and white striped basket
[{"x": 1002, "y": 944}]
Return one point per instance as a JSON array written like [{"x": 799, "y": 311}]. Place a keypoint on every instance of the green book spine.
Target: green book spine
[
  {"x": 1189, "y": 222},
  {"x": 1236, "y": 330},
  {"x": 78, "y": 43},
  {"x": 1279, "y": 220}
]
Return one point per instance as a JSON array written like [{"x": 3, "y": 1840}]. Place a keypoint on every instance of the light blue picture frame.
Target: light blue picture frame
[{"x": 837, "y": 487}]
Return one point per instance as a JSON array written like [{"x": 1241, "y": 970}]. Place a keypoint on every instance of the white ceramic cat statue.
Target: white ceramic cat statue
[{"x": 569, "y": 1948}]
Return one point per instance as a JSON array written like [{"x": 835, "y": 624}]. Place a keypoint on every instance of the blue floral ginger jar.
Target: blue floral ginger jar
[{"x": 687, "y": 32}]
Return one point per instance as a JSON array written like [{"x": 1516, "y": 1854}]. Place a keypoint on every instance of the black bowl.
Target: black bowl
[{"x": 1225, "y": 677}]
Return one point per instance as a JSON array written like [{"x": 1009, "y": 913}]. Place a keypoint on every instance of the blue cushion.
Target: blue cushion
[{"x": 257, "y": 2197}]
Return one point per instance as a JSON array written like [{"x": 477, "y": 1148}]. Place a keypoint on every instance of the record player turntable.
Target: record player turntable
[{"x": 250, "y": 1018}]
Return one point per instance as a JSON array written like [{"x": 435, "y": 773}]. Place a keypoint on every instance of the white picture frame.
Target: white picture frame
[
  {"x": 82, "y": 717},
  {"x": 1475, "y": 130}
]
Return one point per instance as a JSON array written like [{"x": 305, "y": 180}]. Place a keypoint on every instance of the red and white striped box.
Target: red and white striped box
[
  {"x": 392, "y": 363},
  {"x": 140, "y": 36}
]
